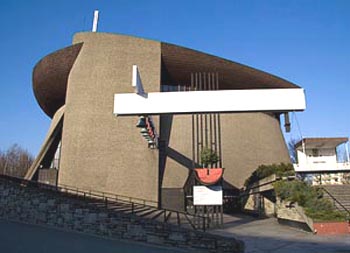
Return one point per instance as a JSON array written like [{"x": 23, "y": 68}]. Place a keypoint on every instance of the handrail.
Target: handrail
[
  {"x": 117, "y": 196},
  {"x": 104, "y": 196},
  {"x": 334, "y": 199}
]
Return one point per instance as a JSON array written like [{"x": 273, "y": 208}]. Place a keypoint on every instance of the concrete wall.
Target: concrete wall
[
  {"x": 293, "y": 215},
  {"x": 179, "y": 152},
  {"x": 100, "y": 151},
  {"x": 258, "y": 204},
  {"x": 324, "y": 157},
  {"x": 248, "y": 140},
  {"x": 259, "y": 198}
]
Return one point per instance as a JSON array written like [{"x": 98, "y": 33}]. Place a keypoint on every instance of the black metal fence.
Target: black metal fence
[{"x": 131, "y": 205}]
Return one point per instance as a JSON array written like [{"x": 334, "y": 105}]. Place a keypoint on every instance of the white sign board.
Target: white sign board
[{"x": 207, "y": 195}]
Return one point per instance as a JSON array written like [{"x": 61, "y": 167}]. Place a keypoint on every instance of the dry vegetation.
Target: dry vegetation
[{"x": 15, "y": 161}]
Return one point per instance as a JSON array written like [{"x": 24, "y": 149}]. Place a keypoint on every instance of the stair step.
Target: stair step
[
  {"x": 155, "y": 217},
  {"x": 148, "y": 212},
  {"x": 144, "y": 212},
  {"x": 339, "y": 192}
]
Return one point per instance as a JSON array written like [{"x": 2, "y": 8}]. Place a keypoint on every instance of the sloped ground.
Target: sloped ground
[
  {"x": 267, "y": 236},
  {"x": 23, "y": 238}
]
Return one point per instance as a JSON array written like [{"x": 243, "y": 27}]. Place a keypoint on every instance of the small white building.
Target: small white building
[{"x": 318, "y": 163}]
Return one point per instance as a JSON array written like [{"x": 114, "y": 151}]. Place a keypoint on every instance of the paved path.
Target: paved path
[
  {"x": 267, "y": 236},
  {"x": 259, "y": 235},
  {"x": 23, "y": 238}
]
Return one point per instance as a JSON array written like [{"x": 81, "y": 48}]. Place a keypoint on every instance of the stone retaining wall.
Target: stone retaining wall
[
  {"x": 258, "y": 198},
  {"x": 292, "y": 214},
  {"x": 44, "y": 207}
]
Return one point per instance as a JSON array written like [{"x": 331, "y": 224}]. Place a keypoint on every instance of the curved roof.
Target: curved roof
[
  {"x": 179, "y": 62},
  {"x": 50, "y": 74}
]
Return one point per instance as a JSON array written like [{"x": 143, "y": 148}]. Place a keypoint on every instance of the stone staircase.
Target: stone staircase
[
  {"x": 339, "y": 192},
  {"x": 121, "y": 205},
  {"x": 147, "y": 212}
]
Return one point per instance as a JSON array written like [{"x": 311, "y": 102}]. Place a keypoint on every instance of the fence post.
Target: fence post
[
  {"x": 132, "y": 207},
  {"x": 203, "y": 218}
]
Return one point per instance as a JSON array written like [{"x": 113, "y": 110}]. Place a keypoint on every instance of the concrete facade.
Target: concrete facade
[
  {"x": 248, "y": 140},
  {"x": 106, "y": 153},
  {"x": 98, "y": 149}
]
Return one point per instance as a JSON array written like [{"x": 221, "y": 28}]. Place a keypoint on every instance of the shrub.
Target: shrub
[
  {"x": 310, "y": 198},
  {"x": 208, "y": 157},
  {"x": 282, "y": 169}
]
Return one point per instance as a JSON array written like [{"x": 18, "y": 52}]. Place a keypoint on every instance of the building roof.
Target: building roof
[
  {"x": 180, "y": 62},
  {"x": 311, "y": 143},
  {"x": 50, "y": 75}
]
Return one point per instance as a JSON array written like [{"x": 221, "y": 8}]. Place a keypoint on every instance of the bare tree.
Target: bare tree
[
  {"x": 2, "y": 161},
  {"x": 15, "y": 161}
]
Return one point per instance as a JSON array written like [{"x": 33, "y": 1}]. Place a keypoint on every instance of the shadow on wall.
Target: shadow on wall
[
  {"x": 231, "y": 192},
  {"x": 165, "y": 151},
  {"x": 166, "y": 122}
]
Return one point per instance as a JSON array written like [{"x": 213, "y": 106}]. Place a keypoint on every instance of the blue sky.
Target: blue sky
[{"x": 304, "y": 41}]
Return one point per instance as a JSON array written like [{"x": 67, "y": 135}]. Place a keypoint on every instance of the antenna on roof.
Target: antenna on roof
[{"x": 94, "y": 24}]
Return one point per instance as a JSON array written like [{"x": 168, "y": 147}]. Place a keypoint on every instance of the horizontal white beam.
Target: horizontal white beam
[
  {"x": 327, "y": 167},
  {"x": 261, "y": 100}
]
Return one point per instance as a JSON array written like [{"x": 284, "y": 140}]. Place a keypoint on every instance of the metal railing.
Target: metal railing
[{"x": 109, "y": 200}]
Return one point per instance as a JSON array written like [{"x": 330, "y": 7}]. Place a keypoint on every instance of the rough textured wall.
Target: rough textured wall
[
  {"x": 248, "y": 140},
  {"x": 179, "y": 152},
  {"x": 101, "y": 151}
]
